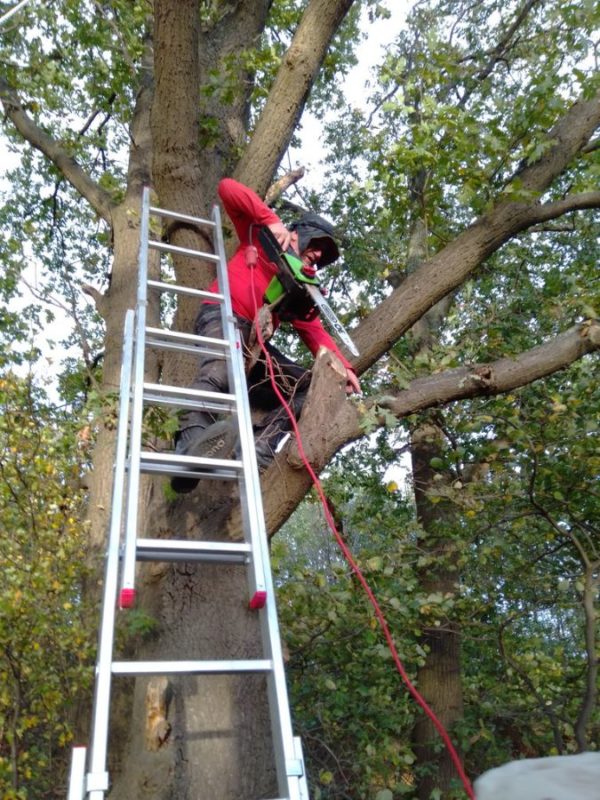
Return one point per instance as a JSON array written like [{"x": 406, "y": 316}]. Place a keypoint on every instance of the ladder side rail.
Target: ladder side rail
[
  {"x": 260, "y": 568},
  {"x": 99, "y": 737},
  {"x": 128, "y": 575},
  {"x": 77, "y": 774},
  {"x": 302, "y": 780},
  {"x": 249, "y": 483},
  {"x": 283, "y": 736}
]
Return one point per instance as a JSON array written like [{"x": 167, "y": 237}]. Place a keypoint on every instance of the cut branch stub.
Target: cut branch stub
[{"x": 326, "y": 394}]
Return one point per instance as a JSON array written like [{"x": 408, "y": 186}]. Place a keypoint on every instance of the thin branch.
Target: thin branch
[
  {"x": 503, "y": 44},
  {"x": 575, "y": 202},
  {"x": 5, "y": 17},
  {"x": 593, "y": 145},
  {"x": 71, "y": 310},
  {"x": 118, "y": 35},
  {"x": 558, "y": 228},
  {"x": 97, "y": 197},
  {"x": 282, "y": 184}
]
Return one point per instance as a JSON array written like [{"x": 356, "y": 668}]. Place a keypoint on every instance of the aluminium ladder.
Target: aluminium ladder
[{"x": 89, "y": 779}]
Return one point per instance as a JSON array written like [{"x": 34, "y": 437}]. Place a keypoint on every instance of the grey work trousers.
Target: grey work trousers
[{"x": 292, "y": 380}]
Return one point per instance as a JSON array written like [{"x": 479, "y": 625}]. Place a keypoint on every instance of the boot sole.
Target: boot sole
[{"x": 216, "y": 444}]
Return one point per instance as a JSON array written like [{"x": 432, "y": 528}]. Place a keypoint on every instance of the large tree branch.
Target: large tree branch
[
  {"x": 97, "y": 197},
  {"x": 287, "y": 98},
  {"x": 139, "y": 168},
  {"x": 345, "y": 422},
  {"x": 449, "y": 268},
  {"x": 500, "y": 376},
  {"x": 571, "y": 134}
]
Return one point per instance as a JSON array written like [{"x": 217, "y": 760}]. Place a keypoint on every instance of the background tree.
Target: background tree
[
  {"x": 44, "y": 644},
  {"x": 490, "y": 110}
]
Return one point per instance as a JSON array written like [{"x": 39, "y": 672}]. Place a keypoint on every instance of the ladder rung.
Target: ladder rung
[
  {"x": 189, "y": 466},
  {"x": 190, "y": 667},
  {"x": 179, "y": 396},
  {"x": 188, "y": 342},
  {"x": 177, "y": 289},
  {"x": 184, "y": 550},
  {"x": 184, "y": 251},
  {"x": 163, "y": 212}
]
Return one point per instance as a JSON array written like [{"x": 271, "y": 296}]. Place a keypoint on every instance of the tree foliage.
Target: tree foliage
[
  {"x": 44, "y": 633},
  {"x": 466, "y": 197}
]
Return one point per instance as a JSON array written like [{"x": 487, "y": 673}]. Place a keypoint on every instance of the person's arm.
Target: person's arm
[
  {"x": 245, "y": 208},
  {"x": 314, "y": 335}
]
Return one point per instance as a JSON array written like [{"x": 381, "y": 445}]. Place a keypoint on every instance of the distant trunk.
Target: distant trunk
[{"x": 439, "y": 680}]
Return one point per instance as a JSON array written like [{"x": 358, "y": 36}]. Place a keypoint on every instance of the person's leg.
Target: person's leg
[
  {"x": 211, "y": 376},
  {"x": 292, "y": 381},
  {"x": 200, "y": 434}
]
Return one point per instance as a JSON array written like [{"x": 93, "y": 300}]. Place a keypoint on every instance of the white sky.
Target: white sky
[{"x": 380, "y": 34}]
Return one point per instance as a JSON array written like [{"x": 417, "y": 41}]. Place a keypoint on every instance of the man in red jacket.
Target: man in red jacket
[{"x": 250, "y": 272}]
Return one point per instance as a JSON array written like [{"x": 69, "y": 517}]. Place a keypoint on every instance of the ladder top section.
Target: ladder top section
[{"x": 163, "y": 212}]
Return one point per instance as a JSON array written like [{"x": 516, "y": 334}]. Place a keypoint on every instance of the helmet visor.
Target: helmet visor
[{"x": 314, "y": 231}]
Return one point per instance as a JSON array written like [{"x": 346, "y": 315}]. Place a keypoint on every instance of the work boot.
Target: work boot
[{"x": 216, "y": 441}]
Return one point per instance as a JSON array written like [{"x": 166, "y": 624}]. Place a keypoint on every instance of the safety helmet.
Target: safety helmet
[{"x": 311, "y": 227}]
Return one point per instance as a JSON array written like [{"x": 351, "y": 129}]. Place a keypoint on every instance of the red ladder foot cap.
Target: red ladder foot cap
[
  {"x": 258, "y": 601},
  {"x": 127, "y": 598}
]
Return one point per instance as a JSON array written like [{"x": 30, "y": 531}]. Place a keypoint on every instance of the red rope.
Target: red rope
[{"x": 356, "y": 569}]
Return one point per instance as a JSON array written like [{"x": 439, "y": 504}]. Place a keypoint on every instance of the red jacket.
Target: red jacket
[{"x": 248, "y": 284}]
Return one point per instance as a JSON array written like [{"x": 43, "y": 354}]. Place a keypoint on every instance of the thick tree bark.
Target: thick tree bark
[{"x": 439, "y": 680}]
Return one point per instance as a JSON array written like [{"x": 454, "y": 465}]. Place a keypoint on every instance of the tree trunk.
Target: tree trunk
[
  {"x": 207, "y": 736},
  {"x": 439, "y": 680}
]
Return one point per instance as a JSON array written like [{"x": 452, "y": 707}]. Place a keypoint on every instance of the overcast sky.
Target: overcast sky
[{"x": 380, "y": 34}]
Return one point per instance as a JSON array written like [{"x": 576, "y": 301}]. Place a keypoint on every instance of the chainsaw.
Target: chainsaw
[{"x": 295, "y": 292}]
